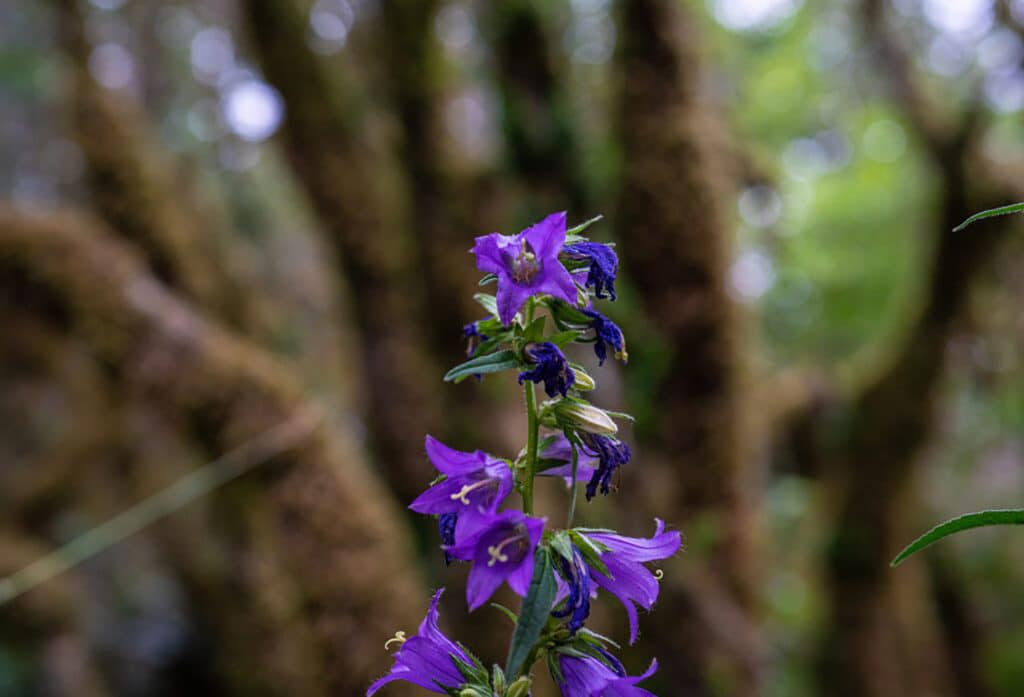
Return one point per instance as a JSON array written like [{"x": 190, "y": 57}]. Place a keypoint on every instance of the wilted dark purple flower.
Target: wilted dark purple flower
[
  {"x": 586, "y": 676},
  {"x": 473, "y": 336},
  {"x": 426, "y": 659},
  {"x": 628, "y": 579},
  {"x": 611, "y": 453},
  {"x": 550, "y": 366},
  {"x": 604, "y": 265},
  {"x": 501, "y": 548},
  {"x": 606, "y": 333},
  {"x": 476, "y": 483},
  {"x": 446, "y": 527},
  {"x": 526, "y": 264},
  {"x": 560, "y": 449},
  {"x": 577, "y": 580}
]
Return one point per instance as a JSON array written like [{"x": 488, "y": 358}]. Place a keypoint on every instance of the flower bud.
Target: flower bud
[
  {"x": 583, "y": 379},
  {"x": 498, "y": 680},
  {"x": 585, "y": 417},
  {"x": 520, "y": 688}
]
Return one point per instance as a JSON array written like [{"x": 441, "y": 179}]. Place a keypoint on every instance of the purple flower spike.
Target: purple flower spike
[
  {"x": 560, "y": 449},
  {"x": 476, "y": 483},
  {"x": 526, "y": 264},
  {"x": 604, "y": 265},
  {"x": 501, "y": 549},
  {"x": 550, "y": 366},
  {"x": 589, "y": 677},
  {"x": 426, "y": 659},
  {"x": 630, "y": 581},
  {"x": 606, "y": 333}
]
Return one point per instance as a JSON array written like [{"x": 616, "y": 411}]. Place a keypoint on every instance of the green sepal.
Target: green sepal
[
  {"x": 590, "y": 550},
  {"x": 563, "y": 339},
  {"x": 566, "y": 316},
  {"x": 505, "y": 611},
  {"x": 488, "y": 278},
  {"x": 1003, "y": 210},
  {"x": 489, "y": 363},
  {"x": 488, "y": 302},
  {"x": 534, "y": 613},
  {"x": 572, "y": 235},
  {"x": 535, "y": 332},
  {"x": 561, "y": 543}
]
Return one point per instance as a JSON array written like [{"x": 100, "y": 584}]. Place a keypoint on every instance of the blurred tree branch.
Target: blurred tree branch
[
  {"x": 676, "y": 248},
  {"x": 355, "y": 195},
  {"x": 316, "y": 541}
]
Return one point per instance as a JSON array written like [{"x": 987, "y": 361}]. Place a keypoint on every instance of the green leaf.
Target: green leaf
[
  {"x": 991, "y": 213},
  {"x": 488, "y": 302},
  {"x": 964, "y": 522},
  {"x": 534, "y": 613},
  {"x": 575, "y": 231},
  {"x": 489, "y": 278},
  {"x": 491, "y": 363}
]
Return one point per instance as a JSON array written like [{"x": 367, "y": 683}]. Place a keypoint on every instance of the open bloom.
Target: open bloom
[
  {"x": 628, "y": 579},
  {"x": 561, "y": 450},
  {"x": 604, "y": 264},
  {"x": 611, "y": 454},
  {"x": 526, "y": 264},
  {"x": 427, "y": 658},
  {"x": 476, "y": 483},
  {"x": 501, "y": 548},
  {"x": 586, "y": 676},
  {"x": 550, "y": 366},
  {"x": 606, "y": 333}
]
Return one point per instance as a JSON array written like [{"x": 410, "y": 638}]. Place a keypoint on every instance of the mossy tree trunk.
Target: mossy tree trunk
[{"x": 676, "y": 244}]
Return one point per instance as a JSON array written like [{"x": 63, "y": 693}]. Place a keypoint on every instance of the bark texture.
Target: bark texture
[
  {"x": 318, "y": 562},
  {"x": 353, "y": 192},
  {"x": 675, "y": 247}
]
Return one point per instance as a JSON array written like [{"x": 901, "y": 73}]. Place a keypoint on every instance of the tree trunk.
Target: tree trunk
[
  {"x": 320, "y": 572},
  {"x": 676, "y": 248}
]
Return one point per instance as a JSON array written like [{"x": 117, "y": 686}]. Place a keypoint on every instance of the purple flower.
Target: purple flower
[
  {"x": 611, "y": 454},
  {"x": 577, "y": 580},
  {"x": 628, "y": 579},
  {"x": 604, "y": 264},
  {"x": 476, "y": 483},
  {"x": 586, "y": 676},
  {"x": 606, "y": 333},
  {"x": 550, "y": 366},
  {"x": 446, "y": 527},
  {"x": 427, "y": 659},
  {"x": 526, "y": 264},
  {"x": 560, "y": 449},
  {"x": 501, "y": 548}
]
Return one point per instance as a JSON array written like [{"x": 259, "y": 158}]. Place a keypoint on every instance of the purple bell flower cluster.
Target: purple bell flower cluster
[{"x": 545, "y": 275}]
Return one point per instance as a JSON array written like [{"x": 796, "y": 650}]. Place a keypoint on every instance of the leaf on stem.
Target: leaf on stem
[{"x": 964, "y": 522}]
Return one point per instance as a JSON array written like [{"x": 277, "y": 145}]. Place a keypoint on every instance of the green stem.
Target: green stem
[
  {"x": 532, "y": 426},
  {"x": 572, "y": 496}
]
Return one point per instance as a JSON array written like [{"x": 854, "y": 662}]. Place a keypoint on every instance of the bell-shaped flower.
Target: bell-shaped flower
[
  {"x": 587, "y": 676},
  {"x": 606, "y": 333},
  {"x": 476, "y": 483},
  {"x": 427, "y": 659},
  {"x": 561, "y": 450},
  {"x": 501, "y": 548},
  {"x": 611, "y": 453},
  {"x": 604, "y": 265},
  {"x": 526, "y": 264},
  {"x": 627, "y": 578}
]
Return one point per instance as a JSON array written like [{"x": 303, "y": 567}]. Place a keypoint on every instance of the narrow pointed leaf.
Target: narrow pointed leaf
[
  {"x": 964, "y": 522},
  {"x": 534, "y": 613},
  {"x": 991, "y": 213},
  {"x": 491, "y": 363},
  {"x": 575, "y": 231}
]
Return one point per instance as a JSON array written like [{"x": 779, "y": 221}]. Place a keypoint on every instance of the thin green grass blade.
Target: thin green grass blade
[
  {"x": 991, "y": 213},
  {"x": 965, "y": 522}
]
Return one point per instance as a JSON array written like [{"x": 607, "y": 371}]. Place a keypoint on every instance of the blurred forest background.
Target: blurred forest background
[{"x": 245, "y": 223}]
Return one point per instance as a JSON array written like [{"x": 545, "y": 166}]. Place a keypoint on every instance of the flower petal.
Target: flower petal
[
  {"x": 482, "y": 582},
  {"x": 489, "y": 252},
  {"x": 453, "y": 462},
  {"x": 547, "y": 237}
]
